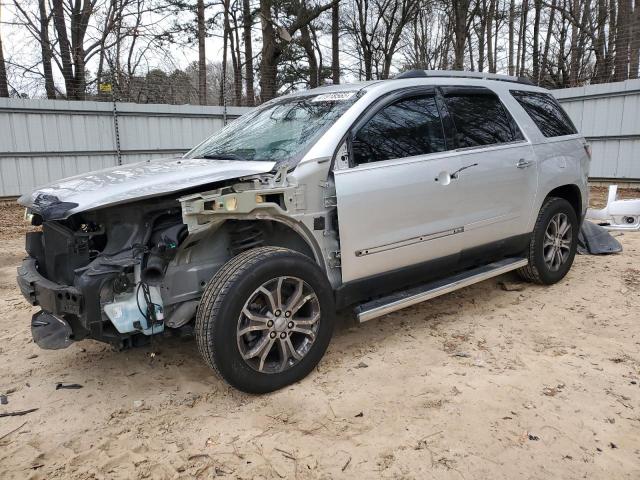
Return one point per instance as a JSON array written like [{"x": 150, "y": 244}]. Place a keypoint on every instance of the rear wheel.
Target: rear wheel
[
  {"x": 553, "y": 243},
  {"x": 265, "y": 319}
]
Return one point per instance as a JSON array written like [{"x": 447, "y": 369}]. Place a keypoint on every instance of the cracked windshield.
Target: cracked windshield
[{"x": 278, "y": 132}]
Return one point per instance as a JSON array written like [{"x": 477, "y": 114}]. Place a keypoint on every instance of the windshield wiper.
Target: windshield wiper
[{"x": 222, "y": 156}]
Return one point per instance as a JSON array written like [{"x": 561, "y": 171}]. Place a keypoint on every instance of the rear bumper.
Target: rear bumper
[{"x": 54, "y": 298}]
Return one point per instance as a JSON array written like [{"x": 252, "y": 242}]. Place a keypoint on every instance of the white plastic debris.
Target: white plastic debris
[{"x": 617, "y": 214}]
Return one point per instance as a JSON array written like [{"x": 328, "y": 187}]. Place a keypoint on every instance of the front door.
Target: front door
[{"x": 397, "y": 203}]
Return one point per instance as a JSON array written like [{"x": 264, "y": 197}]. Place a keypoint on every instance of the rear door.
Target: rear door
[
  {"x": 396, "y": 206},
  {"x": 499, "y": 180}
]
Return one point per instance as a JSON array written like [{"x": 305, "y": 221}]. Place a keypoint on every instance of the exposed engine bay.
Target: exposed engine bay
[{"x": 123, "y": 273}]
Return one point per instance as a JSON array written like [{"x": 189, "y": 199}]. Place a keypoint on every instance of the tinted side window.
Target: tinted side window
[
  {"x": 546, "y": 113},
  {"x": 405, "y": 128},
  {"x": 481, "y": 120}
]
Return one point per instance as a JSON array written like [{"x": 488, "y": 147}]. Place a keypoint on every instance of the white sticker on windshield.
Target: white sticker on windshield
[{"x": 333, "y": 97}]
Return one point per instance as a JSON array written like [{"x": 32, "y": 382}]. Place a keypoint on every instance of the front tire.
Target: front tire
[
  {"x": 553, "y": 243},
  {"x": 265, "y": 319}
]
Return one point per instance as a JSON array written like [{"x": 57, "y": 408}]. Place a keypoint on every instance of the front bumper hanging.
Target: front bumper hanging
[
  {"x": 51, "y": 296},
  {"x": 49, "y": 328}
]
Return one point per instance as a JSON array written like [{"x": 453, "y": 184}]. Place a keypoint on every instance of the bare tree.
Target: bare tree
[
  {"x": 634, "y": 51},
  {"x": 275, "y": 38},
  {"x": 4, "y": 88},
  {"x": 202, "y": 57},
  {"x": 462, "y": 16},
  {"x": 376, "y": 26},
  {"x": 621, "y": 61},
  {"x": 535, "y": 57},
  {"x": 247, "y": 21},
  {"x": 512, "y": 28},
  {"x": 45, "y": 46},
  {"x": 335, "y": 42}
]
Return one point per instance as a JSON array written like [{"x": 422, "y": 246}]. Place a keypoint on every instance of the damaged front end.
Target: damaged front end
[
  {"x": 122, "y": 273},
  {"x": 95, "y": 274}
]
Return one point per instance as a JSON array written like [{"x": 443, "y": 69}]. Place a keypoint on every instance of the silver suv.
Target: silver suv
[{"x": 371, "y": 196}]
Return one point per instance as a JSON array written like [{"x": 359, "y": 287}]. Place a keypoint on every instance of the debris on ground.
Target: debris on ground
[
  {"x": 511, "y": 286},
  {"x": 139, "y": 405},
  {"x": 68, "y": 386},
  {"x": 3, "y": 400},
  {"x": 553, "y": 391},
  {"x": 18, "y": 413},
  {"x": 617, "y": 214},
  {"x": 596, "y": 240}
]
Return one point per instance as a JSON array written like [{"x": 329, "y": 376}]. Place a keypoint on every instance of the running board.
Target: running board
[{"x": 399, "y": 300}]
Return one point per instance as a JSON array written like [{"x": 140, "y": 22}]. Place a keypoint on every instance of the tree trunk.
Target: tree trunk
[
  {"x": 335, "y": 43},
  {"x": 561, "y": 75},
  {"x": 512, "y": 18},
  {"x": 237, "y": 64},
  {"x": 202, "y": 57},
  {"x": 45, "y": 45},
  {"x": 460, "y": 12},
  {"x": 471, "y": 61},
  {"x": 64, "y": 47},
  {"x": 575, "y": 54},
  {"x": 307, "y": 45},
  {"x": 635, "y": 41},
  {"x": 223, "y": 71},
  {"x": 621, "y": 62},
  {"x": 269, "y": 54},
  {"x": 612, "y": 38},
  {"x": 490, "y": 17},
  {"x": 547, "y": 43},
  {"x": 600, "y": 42},
  {"x": 481, "y": 32},
  {"x": 247, "y": 21},
  {"x": 80, "y": 77},
  {"x": 4, "y": 87},
  {"x": 525, "y": 14},
  {"x": 536, "y": 42}
]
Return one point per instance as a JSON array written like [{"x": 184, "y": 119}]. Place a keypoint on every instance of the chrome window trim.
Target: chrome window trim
[{"x": 435, "y": 156}]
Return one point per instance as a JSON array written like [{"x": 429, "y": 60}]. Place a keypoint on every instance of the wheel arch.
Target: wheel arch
[
  {"x": 571, "y": 193},
  {"x": 284, "y": 233}
]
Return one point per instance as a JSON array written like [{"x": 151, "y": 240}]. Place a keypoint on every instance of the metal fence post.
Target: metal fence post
[{"x": 116, "y": 128}]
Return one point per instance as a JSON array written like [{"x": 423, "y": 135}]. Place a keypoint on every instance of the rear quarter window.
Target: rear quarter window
[{"x": 546, "y": 113}]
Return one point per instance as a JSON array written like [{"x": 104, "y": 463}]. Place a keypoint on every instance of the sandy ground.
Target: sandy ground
[{"x": 540, "y": 382}]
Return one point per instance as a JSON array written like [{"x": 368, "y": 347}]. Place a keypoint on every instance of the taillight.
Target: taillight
[{"x": 587, "y": 149}]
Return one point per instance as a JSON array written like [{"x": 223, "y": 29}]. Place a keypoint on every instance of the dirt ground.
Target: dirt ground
[{"x": 536, "y": 382}]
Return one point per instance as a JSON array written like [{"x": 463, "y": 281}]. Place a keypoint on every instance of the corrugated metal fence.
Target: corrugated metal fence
[
  {"x": 44, "y": 140},
  {"x": 608, "y": 115}
]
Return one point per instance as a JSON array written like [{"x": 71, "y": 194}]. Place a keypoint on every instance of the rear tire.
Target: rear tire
[
  {"x": 265, "y": 319},
  {"x": 553, "y": 243}
]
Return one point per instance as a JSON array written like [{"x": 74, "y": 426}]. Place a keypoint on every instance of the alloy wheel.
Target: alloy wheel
[
  {"x": 556, "y": 247},
  {"x": 278, "y": 324}
]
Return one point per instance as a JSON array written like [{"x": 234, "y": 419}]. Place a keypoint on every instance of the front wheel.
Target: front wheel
[
  {"x": 553, "y": 243},
  {"x": 265, "y": 319}
]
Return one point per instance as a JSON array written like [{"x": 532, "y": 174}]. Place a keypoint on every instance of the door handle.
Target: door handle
[{"x": 522, "y": 163}]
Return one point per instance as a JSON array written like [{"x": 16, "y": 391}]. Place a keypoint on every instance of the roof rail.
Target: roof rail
[{"x": 462, "y": 74}]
